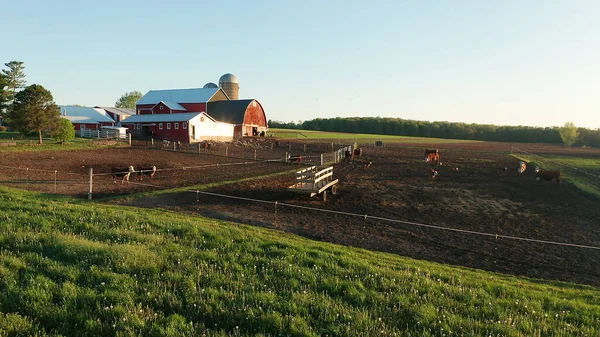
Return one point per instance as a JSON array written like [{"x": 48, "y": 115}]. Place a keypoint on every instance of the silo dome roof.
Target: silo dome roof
[
  {"x": 210, "y": 85},
  {"x": 228, "y": 78}
]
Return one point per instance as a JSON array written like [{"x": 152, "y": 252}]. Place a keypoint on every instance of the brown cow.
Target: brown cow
[
  {"x": 547, "y": 175},
  {"x": 367, "y": 164},
  {"x": 121, "y": 172},
  {"x": 432, "y": 156},
  {"x": 357, "y": 152},
  {"x": 149, "y": 171},
  {"x": 295, "y": 158}
]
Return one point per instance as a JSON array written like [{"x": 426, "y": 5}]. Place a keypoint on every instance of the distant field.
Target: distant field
[
  {"x": 70, "y": 268},
  {"x": 581, "y": 171},
  {"x": 361, "y": 137}
]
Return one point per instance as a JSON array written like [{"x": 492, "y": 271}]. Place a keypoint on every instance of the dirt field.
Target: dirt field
[{"x": 395, "y": 187}]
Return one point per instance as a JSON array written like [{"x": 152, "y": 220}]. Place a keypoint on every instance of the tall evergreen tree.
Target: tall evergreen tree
[
  {"x": 5, "y": 96},
  {"x": 34, "y": 110},
  {"x": 15, "y": 75}
]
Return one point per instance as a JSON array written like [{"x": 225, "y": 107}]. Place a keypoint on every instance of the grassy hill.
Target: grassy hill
[{"x": 72, "y": 268}]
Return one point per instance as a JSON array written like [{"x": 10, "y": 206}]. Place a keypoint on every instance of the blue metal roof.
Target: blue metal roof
[
  {"x": 77, "y": 114},
  {"x": 173, "y": 105},
  {"x": 194, "y": 95},
  {"x": 176, "y": 117}
]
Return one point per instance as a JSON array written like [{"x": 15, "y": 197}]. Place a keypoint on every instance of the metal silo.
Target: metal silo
[
  {"x": 230, "y": 85},
  {"x": 210, "y": 85}
]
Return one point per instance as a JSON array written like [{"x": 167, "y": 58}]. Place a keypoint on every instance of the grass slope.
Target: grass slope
[{"x": 95, "y": 270}]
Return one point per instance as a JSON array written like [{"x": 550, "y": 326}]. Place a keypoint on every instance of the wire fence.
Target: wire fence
[
  {"x": 590, "y": 180},
  {"x": 277, "y": 205}
]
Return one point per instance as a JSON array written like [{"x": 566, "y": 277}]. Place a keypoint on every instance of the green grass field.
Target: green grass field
[
  {"x": 360, "y": 137},
  {"x": 582, "y": 172},
  {"x": 71, "y": 268}
]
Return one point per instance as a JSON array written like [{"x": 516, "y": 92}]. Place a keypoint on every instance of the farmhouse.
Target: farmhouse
[
  {"x": 84, "y": 118},
  {"x": 198, "y": 114}
]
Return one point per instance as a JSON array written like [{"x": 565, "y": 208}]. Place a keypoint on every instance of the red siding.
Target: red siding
[
  {"x": 90, "y": 126},
  {"x": 255, "y": 114},
  {"x": 173, "y": 134},
  {"x": 194, "y": 107}
]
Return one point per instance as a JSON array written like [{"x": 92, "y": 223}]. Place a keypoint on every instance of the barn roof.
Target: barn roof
[
  {"x": 194, "y": 95},
  {"x": 117, "y": 111},
  {"x": 172, "y": 105},
  {"x": 176, "y": 117},
  {"x": 231, "y": 112},
  {"x": 84, "y": 115}
]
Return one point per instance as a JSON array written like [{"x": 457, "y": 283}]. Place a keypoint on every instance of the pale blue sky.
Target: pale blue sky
[{"x": 498, "y": 62}]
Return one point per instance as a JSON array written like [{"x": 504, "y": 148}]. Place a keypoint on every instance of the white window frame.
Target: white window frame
[
  {"x": 160, "y": 126},
  {"x": 137, "y": 126},
  {"x": 176, "y": 126},
  {"x": 168, "y": 126},
  {"x": 184, "y": 125}
]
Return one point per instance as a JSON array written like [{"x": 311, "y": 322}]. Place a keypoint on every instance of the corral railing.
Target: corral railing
[
  {"x": 336, "y": 156},
  {"x": 103, "y": 134}
]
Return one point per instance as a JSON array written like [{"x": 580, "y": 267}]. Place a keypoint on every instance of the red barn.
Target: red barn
[
  {"x": 197, "y": 114},
  {"x": 247, "y": 115}
]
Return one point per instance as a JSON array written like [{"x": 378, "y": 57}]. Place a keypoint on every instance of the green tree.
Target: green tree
[
  {"x": 15, "y": 75},
  {"x": 65, "y": 131},
  {"x": 568, "y": 132},
  {"x": 34, "y": 110},
  {"x": 128, "y": 100},
  {"x": 5, "y": 96}
]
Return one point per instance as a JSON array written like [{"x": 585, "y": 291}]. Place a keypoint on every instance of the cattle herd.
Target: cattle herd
[
  {"x": 433, "y": 157},
  {"x": 123, "y": 173}
]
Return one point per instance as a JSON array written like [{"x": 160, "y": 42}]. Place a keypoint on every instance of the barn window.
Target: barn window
[
  {"x": 161, "y": 107},
  {"x": 160, "y": 126},
  {"x": 137, "y": 126},
  {"x": 176, "y": 126},
  {"x": 168, "y": 126},
  {"x": 184, "y": 125}
]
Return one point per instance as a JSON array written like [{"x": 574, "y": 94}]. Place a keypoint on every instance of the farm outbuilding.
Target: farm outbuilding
[
  {"x": 117, "y": 114},
  {"x": 198, "y": 114},
  {"x": 247, "y": 115},
  {"x": 183, "y": 127},
  {"x": 84, "y": 118}
]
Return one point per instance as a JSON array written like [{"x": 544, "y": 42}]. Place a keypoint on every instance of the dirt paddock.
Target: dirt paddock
[{"x": 395, "y": 193}]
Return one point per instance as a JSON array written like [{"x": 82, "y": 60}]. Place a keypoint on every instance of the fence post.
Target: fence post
[
  {"x": 90, "y": 189},
  {"x": 331, "y": 146},
  {"x": 322, "y": 159},
  {"x": 254, "y": 154},
  {"x": 129, "y": 139},
  {"x": 55, "y": 173},
  {"x": 152, "y": 143},
  {"x": 226, "y": 151},
  {"x": 174, "y": 146},
  {"x": 199, "y": 147},
  {"x": 304, "y": 147},
  {"x": 286, "y": 156},
  {"x": 27, "y": 175}
]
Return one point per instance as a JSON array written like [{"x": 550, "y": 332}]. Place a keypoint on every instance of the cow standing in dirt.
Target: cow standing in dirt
[
  {"x": 149, "y": 171},
  {"x": 541, "y": 174},
  {"x": 121, "y": 172}
]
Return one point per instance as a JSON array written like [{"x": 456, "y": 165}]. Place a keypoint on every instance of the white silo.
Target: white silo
[
  {"x": 229, "y": 83},
  {"x": 210, "y": 85}
]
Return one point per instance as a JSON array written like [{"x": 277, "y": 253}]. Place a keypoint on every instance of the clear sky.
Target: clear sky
[{"x": 495, "y": 62}]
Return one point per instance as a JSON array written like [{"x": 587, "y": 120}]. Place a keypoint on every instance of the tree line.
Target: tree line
[
  {"x": 568, "y": 134},
  {"x": 31, "y": 109}
]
